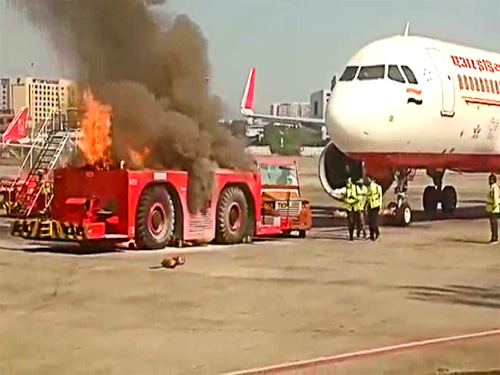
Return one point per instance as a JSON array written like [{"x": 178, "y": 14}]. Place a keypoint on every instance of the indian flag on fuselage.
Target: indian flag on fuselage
[{"x": 414, "y": 96}]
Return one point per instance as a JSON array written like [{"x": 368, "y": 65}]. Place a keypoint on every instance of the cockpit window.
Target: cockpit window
[
  {"x": 394, "y": 74},
  {"x": 371, "y": 72},
  {"x": 409, "y": 75},
  {"x": 349, "y": 73}
]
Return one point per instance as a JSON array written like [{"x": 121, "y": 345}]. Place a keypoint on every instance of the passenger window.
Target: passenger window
[
  {"x": 371, "y": 72},
  {"x": 409, "y": 75},
  {"x": 471, "y": 81},
  {"x": 482, "y": 84},
  {"x": 466, "y": 82},
  {"x": 394, "y": 74},
  {"x": 349, "y": 73},
  {"x": 487, "y": 85},
  {"x": 460, "y": 83},
  {"x": 477, "y": 84},
  {"x": 496, "y": 86},
  {"x": 492, "y": 86}
]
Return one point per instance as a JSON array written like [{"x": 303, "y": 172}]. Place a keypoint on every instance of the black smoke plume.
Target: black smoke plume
[{"x": 155, "y": 80}]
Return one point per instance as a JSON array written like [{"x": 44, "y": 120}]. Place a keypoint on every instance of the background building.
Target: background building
[
  {"x": 315, "y": 108},
  {"x": 6, "y": 111},
  {"x": 319, "y": 101},
  {"x": 5, "y": 94},
  {"x": 6, "y": 116},
  {"x": 293, "y": 109},
  {"x": 40, "y": 95}
]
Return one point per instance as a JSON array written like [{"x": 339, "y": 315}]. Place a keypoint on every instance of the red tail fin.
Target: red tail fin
[
  {"x": 248, "y": 94},
  {"x": 15, "y": 130}
]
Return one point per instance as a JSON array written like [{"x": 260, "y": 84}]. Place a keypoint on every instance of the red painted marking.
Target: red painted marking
[
  {"x": 250, "y": 90},
  {"x": 364, "y": 353},
  {"x": 447, "y": 160},
  {"x": 482, "y": 65},
  {"x": 414, "y": 91},
  {"x": 473, "y": 100}
]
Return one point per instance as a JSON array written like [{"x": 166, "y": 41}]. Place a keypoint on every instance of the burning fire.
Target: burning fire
[
  {"x": 95, "y": 141},
  {"x": 138, "y": 158}
]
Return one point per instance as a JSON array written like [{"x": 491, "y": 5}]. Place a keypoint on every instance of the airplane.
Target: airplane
[
  {"x": 13, "y": 137},
  {"x": 405, "y": 103},
  {"x": 16, "y": 129},
  {"x": 247, "y": 108}
]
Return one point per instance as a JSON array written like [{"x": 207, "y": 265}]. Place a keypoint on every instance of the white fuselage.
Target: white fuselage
[{"x": 438, "y": 115}]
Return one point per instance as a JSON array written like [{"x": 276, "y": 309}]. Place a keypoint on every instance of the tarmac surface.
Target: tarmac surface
[{"x": 231, "y": 308}]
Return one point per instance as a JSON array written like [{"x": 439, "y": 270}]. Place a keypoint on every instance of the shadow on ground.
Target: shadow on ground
[
  {"x": 323, "y": 216},
  {"x": 457, "y": 294},
  {"x": 58, "y": 248},
  {"x": 470, "y": 241},
  {"x": 338, "y": 232}
]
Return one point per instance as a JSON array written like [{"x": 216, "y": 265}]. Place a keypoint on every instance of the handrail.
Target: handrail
[
  {"x": 55, "y": 158},
  {"x": 35, "y": 142}
]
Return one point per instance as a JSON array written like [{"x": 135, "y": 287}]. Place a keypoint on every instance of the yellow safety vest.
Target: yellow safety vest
[
  {"x": 493, "y": 199},
  {"x": 362, "y": 192},
  {"x": 351, "y": 196},
  {"x": 375, "y": 195}
]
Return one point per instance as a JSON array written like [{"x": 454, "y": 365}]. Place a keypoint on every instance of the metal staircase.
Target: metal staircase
[{"x": 41, "y": 160}]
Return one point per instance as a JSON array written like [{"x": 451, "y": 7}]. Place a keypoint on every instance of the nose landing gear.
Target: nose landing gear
[{"x": 401, "y": 210}]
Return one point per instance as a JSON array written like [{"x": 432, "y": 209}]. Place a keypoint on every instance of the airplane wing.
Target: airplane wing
[{"x": 247, "y": 108}]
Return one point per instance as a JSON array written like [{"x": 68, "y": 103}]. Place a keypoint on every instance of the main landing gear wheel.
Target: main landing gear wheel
[
  {"x": 449, "y": 199},
  {"x": 155, "y": 219},
  {"x": 435, "y": 194},
  {"x": 232, "y": 216},
  {"x": 430, "y": 201},
  {"x": 432, "y": 196}
]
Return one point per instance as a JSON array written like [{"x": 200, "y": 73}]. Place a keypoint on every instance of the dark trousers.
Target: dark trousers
[
  {"x": 373, "y": 218},
  {"x": 360, "y": 224},
  {"x": 352, "y": 220},
  {"x": 494, "y": 226}
]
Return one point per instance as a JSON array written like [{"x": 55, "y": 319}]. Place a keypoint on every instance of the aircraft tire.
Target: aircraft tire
[
  {"x": 449, "y": 199},
  {"x": 403, "y": 215},
  {"x": 430, "y": 201}
]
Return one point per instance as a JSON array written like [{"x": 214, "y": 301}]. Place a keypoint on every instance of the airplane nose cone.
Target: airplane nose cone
[
  {"x": 352, "y": 116},
  {"x": 344, "y": 120}
]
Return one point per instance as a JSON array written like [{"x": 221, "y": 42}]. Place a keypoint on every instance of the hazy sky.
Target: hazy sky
[{"x": 296, "y": 45}]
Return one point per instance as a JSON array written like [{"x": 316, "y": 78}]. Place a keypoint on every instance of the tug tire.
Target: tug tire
[
  {"x": 155, "y": 218},
  {"x": 232, "y": 216}
]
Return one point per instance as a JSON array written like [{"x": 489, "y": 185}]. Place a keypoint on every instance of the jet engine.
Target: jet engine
[{"x": 335, "y": 167}]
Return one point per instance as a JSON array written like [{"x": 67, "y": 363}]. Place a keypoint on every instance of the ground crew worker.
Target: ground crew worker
[
  {"x": 360, "y": 207},
  {"x": 493, "y": 207},
  {"x": 374, "y": 205},
  {"x": 351, "y": 199}
]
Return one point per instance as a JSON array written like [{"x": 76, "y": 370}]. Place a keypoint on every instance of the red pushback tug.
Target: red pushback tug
[{"x": 148, "y": 208}]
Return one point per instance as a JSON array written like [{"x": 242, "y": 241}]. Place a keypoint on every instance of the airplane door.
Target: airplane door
[{"x": 447, "y": 84}]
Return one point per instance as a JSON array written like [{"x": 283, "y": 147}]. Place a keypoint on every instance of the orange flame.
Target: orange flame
[
  {"x": 138, "y": 158},
  {"x": 95, "y": 141}
]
